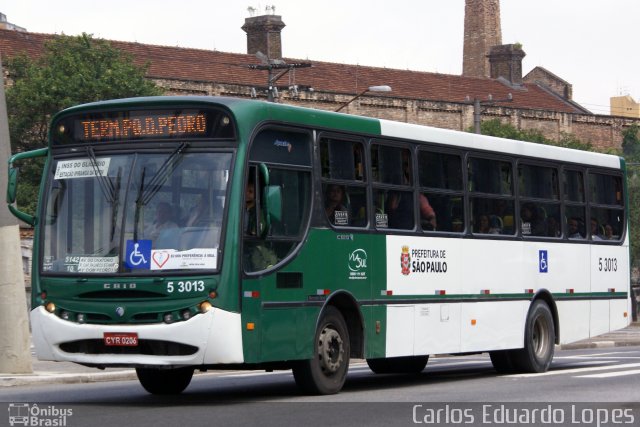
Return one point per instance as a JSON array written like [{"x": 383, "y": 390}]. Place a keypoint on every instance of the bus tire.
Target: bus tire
[
  {"x": 326, "y": 372},
  {"x": 164, "y": 381},
  {"x": 539, "y": 340},
  {"x": 398, "y": 365},
  {"x": 501, "y": 361}
]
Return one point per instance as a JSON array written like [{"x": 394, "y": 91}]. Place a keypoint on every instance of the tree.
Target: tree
[
  {"x": 71, "y": 70},
  {"x": 495, "y": 127},
  {"x": 631, "y": 141},
  {"x": 631, "y": 150}
]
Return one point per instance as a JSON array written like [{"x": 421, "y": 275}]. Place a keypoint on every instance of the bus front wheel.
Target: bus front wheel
[
  {"x": 326, "y": 372},
  {"x": 539, "y": 340},
  {"x": 164, "y": 381}
]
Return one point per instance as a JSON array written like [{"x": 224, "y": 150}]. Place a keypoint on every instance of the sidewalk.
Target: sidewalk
[{"x": 45, "y": 372}]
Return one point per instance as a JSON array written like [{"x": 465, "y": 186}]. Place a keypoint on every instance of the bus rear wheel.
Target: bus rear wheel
[
  {"x": 165, "y": 381},
  {"x": 539, "y": 340},
  {"x": 326, "y": 372},
  {"x": 398, "y": 365}
]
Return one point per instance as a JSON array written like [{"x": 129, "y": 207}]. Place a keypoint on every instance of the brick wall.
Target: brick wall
[{"x": 603, "y": 132}]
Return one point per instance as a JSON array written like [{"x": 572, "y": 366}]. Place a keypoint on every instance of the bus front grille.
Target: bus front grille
[{"x": 147, "y": 347}]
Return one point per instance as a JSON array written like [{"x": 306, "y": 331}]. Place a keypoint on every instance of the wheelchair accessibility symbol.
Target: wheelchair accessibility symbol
[
  {"x": 543, "y": 261},
  {"x": 138, "y": 254}
]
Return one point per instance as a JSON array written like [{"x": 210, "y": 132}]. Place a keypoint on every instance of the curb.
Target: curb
[{"x": 61, "y": 378}]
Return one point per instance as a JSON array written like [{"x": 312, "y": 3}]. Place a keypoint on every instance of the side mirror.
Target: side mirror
[
  {"x": 12, "y": 183},
  {"x": 271, "y": 200},
  {"x": 273, "y": 203}
]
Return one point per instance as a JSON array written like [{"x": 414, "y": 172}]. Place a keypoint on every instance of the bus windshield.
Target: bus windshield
[{"x": 142, "y": 213}]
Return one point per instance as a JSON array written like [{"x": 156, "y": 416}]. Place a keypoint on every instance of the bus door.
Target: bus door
[{"x": 276, "y": 210}]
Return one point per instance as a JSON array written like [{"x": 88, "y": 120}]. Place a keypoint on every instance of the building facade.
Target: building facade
[{"x": 540, "y": 100}]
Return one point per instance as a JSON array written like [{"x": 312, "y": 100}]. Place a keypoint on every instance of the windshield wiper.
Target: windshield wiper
[
  {"x": 106, "y": 185},
  {"x": 163, "y": 173},
  {"x": 136, "y": 215}
]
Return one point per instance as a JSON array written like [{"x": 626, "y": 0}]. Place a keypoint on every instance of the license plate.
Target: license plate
[{"x": 121, "y": 339}]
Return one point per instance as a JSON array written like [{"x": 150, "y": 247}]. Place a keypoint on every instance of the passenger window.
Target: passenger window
[
  {"x": 343, "y": 182},
  {"x": 538, "y": 182},
  {"x": 540, "y": 201},
  {"x": 605, "y": 189},
  {"x": 393, "y": 197},
  {"x": 391, "y": 165},
  {"x": 492, "y": 202},
  {"x": 441, "y": 205},
  {"x": 607, "y": 207},
  {"x": 573, "y": 186},
  {"x": 490, "y": 176}
]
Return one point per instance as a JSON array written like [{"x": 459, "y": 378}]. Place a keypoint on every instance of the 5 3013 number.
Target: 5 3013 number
[
  {"x": 185, "y": 286},
  {"x": 607, "y": 264}
]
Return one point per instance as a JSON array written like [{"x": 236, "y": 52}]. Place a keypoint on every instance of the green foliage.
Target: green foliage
[
  {"x": 631, "y": 141},
  {"x": 631, "y": 150},
  {"x": 72, "y": 70},
  {"x": 495, "y": 127}
]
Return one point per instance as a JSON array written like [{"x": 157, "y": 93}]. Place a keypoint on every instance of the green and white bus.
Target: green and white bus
[{"x": 183, "y": 233}]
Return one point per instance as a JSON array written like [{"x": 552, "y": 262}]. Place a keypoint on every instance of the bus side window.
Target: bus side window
[
  {"x": 270, "y": 234},
  {"x": 344, "y": 187}
]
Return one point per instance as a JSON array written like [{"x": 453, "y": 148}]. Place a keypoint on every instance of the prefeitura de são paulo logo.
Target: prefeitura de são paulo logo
[{"x": 405, "y": 260}]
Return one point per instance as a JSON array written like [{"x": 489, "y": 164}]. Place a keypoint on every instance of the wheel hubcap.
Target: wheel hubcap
[
  {"x": 330, "y": 350},
  {"x": 540, "y": 337}
]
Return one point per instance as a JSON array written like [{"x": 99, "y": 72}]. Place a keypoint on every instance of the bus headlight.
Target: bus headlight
[
  {"x": 50, "y": 307},
  {"x": 205, "y": 306}
]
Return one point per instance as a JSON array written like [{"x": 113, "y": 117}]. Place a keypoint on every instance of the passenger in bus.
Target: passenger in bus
[
  {"x": 164, "y": 221},
  {"x": 608, "y": 232},
  {"x": 489, "y": 224},
  {"x": 199, "y": 213},
  {"x": 595, "y": 230},
  {"x": 482, "y": 224},
  {"x": 250, "y": 218},
  {"x": 400, "y": 210},
  {"x": 531, "y": 224},
  {"x": 574, "y": 227},
  {"x": 335, "y": 208},
  {"x": 427, "y": 213},
  {"x": 553, "y": 227}
]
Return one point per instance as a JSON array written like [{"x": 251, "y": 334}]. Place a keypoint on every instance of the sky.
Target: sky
[{"x": 591, "y": 44}]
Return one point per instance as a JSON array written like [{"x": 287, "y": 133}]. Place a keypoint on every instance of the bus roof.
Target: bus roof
[{"x": 375, "y": 127}]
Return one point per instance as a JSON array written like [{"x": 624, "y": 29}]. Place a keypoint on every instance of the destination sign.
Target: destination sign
[
  {"x": 143, "y": 125},
  {"x": 150, "y": 125}
]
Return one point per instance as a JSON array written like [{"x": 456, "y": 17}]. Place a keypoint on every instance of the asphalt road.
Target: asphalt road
[{"x": 581, "y": 388}]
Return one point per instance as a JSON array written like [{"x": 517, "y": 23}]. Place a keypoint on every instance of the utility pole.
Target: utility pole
[
  {"x": 15, "y": 351},
  {"x": 477, "y": 109},
  {"x": 275, "y": 64}
]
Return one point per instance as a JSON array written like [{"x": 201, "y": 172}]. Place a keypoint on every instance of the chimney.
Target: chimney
[
  {"x": 506, "y": 62},
  {"x": 482, "y": 30},
  {"x": 263, "y": 35}
]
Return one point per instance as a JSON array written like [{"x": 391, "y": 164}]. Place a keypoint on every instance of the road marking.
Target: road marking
[
  {"x": 576, "y": 370},
  {"x": 611, "y": 374}
]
